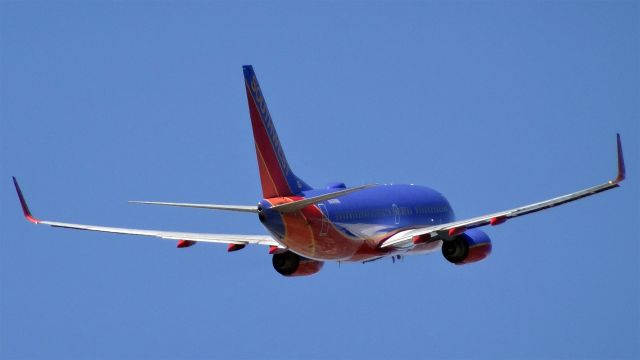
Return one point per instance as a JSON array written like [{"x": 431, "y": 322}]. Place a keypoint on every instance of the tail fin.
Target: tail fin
[{"x": 276, "y": 176}]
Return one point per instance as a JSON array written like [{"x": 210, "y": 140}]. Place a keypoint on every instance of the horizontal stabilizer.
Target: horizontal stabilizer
[
  {"x": 300, "y": 204},
  {"x": 241, "y": 208}
]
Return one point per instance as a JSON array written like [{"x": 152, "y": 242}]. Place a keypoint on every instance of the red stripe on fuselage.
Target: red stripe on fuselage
[{"x": 266, "y": 149}]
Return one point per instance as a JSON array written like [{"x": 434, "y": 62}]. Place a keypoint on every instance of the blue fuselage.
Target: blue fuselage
[{"x": 367, "y": 216}]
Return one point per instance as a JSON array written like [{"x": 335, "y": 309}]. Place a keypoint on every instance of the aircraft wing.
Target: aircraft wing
[
  {"x": 445, "y": 231},
  {"x": 236, "y": 239}
]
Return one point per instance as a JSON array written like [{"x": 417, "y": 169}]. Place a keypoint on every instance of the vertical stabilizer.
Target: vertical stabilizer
[{"x": 276, "y": 176}]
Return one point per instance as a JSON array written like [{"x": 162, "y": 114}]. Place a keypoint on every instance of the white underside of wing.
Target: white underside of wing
[{"x": 173, "y": 235}]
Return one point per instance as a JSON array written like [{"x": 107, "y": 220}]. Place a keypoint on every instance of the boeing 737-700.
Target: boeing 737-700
[{"x": 309, "y": 226}]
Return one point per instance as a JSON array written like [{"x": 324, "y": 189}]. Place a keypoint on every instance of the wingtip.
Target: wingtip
[
  {"x": 622, "y": 173},
  {"x": 23, "y": 203}
]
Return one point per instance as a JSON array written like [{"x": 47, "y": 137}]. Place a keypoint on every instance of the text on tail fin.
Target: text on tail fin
[{"x": 276, "y": 176}]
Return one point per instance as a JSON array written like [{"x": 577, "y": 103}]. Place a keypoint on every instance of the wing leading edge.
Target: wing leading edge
[
  {"x": 240, "y": 208},
  {"x": 236, "y": 239},
  {"x": 448, "y": 230}
]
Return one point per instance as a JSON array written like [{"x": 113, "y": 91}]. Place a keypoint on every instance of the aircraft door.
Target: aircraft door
[
  {"x": 396, "y": 213},
  {"x": 324, "y": 228}
]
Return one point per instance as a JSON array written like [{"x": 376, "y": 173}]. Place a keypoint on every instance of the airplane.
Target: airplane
[{"x": 310, "y": 226}]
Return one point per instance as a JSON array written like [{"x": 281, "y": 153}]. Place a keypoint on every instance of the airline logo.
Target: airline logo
[{"x": 261, "y": 104}]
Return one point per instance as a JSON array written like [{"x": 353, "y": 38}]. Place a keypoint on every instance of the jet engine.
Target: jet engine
[
  {"x": 291, "y": 264},
  {"x": 470, "y": 246}
]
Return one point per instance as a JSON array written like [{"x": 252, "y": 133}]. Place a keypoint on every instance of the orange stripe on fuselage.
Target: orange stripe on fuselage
[{"x": 299, "y": 233}]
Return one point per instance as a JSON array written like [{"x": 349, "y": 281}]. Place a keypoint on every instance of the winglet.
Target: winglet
[
  {"x": 621, "y": 169},
  {"x": 23, "y": 203}
]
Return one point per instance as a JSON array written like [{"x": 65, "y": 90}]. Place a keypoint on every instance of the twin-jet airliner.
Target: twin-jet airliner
[{"x": 309, "y": 226}]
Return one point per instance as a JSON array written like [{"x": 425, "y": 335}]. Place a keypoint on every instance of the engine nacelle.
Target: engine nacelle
[
  {"x": 470, "y": 246},
  {"x": 291, "y": 264}
]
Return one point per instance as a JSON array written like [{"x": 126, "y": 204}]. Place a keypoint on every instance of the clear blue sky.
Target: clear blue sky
[{"x": 495, "y": 104}]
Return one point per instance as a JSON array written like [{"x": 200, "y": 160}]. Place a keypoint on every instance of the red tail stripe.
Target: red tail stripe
[{"x": 263, "y": 144}]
